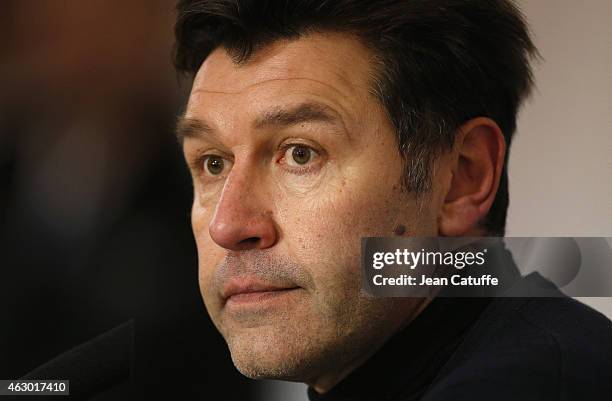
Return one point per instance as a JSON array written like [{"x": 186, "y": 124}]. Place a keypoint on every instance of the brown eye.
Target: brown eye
[
  {"x": 299, "y": 155},
  {"x": 214, "y": 165}
]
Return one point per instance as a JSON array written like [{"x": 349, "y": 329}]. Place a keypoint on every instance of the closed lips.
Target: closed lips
[{"x": 248, "y": 285}]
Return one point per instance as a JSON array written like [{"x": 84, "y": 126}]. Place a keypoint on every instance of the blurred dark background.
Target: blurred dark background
[{"x": 95, "y": 197}]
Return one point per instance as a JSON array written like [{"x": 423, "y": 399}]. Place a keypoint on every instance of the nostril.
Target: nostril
[
  {"x": 249, "y": 241},
  {"x": 242, "y": 232}
]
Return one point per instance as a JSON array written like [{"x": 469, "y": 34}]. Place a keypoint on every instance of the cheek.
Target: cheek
[
  {"x": 200, "y": 220},
  {"x": 324, "y": 234},
  {"x": 324, "y": 229},
  {"x": 356, "y": 206},
  {"x": 209, "y": 253}
]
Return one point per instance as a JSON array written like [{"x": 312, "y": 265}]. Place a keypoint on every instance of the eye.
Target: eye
[
  {"x": 299, "y": 155},
  {"x": 215, "y": 165}
]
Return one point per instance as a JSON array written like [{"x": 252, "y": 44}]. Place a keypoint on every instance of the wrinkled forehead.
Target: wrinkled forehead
[{"x": 330, "y": 62}]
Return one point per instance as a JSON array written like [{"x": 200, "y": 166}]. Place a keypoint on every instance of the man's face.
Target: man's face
[{"x": 293, "y": 162}]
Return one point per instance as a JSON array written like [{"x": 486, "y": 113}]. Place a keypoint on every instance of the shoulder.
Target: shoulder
[{"x": 531, "y": 349}]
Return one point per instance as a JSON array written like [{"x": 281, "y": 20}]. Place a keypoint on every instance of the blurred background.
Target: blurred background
[{"x": 95, "y": 198}]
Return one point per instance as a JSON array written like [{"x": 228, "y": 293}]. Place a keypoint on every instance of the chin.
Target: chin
[{"x": 271, "y": 353}]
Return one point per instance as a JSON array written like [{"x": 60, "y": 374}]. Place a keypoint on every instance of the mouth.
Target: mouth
[{"x": 249, "y": 291}]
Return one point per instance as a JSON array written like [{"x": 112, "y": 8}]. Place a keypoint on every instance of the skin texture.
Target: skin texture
[{"x": 262, "y": 219}]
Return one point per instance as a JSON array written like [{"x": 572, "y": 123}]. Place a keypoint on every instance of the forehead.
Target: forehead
[{"x": 334, "y": 66}]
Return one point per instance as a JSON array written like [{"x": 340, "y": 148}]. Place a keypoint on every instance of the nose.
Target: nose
[{"x": 243, "y": 219}]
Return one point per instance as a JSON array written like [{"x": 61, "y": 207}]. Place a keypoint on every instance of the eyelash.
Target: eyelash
[
  {"x": 198, "y": 163},
  {"x": 300, "y": 170}
]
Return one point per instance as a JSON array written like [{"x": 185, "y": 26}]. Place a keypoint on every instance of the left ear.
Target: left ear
[{"x": 476, "y": 169}]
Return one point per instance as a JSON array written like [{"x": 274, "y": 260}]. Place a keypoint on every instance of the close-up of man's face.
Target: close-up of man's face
[
  {"x": 293, "y": 162},
  {"x": 306, "y": 200}
]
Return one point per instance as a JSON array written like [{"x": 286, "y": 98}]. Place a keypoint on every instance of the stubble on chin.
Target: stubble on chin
[{"x": 311, "y": 340}]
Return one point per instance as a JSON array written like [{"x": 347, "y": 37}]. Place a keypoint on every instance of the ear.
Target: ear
[{"x": 476, "y": 168}]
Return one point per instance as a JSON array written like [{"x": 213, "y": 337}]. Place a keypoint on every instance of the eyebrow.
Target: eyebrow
[
  {"x": 191, "y": 128},
  {"x": 302, "y": 113},
  {"x": 280, "y": 117}
]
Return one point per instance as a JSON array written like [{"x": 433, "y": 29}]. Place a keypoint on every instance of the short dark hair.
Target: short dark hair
[{"x": 438, "y": 63}]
